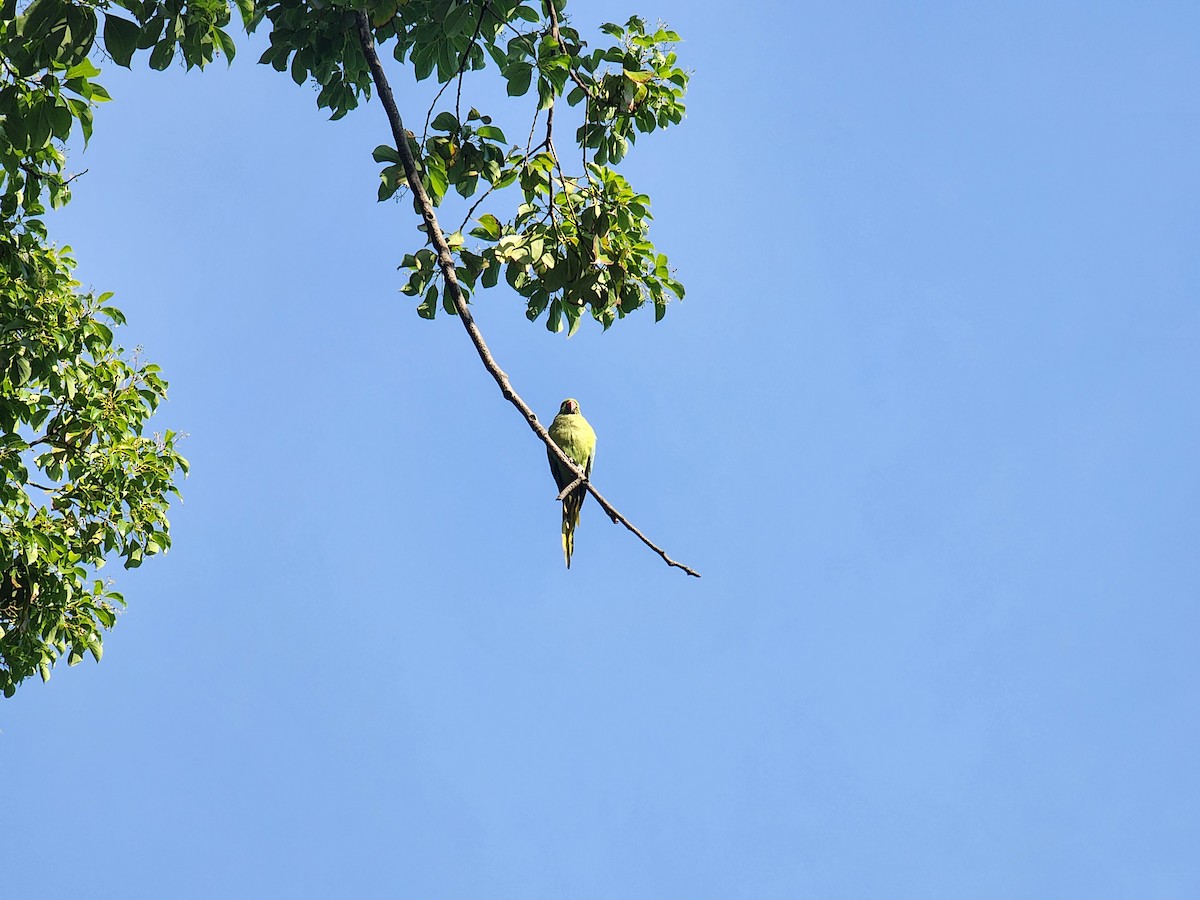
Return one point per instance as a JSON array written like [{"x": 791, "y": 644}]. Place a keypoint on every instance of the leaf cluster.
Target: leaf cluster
[
  {"x": 578, "y": 241},
  {"x": 82, "y": 482},
  {"x": 634, "y": 86},
  {"x": 47, "y": 78},
  {"x": 317, "y": 39},
  {"x": 193, "y": 29},
  {"x": 580, "y": 248},
  {"x": 46, "y": 87}
]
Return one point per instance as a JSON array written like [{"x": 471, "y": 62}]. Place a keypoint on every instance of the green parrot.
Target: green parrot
[{"x": 575, "y": 437}]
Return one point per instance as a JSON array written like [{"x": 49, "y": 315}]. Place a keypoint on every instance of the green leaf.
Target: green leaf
[
  {"x": 491, "y": 275},
  {"x": 491, "y": 133},
  {"x": 444, "y": 121},
  {"x": 151, "y": 31},
  {"x": 459, "y": 20},
  {"x": 22, "y": 373},
  {"x": 162, "y": 54},
  {"x": 39, "y": 133},
  {"x": 84, "y": 69},
  {"x": 488, "y": 228},
  {"x": 428, "y": 307},
  {"x": 519, "y": 76},
  {"x": 554, "y": 320},
  {"x": 424, "y": 56},
  {"x": 386, "y": 153},
  {"x": 545, "y": 93},
  {"x": 83, "y": 112},
  {"x": 467, "y": 185},
  {"x": 226, "y": 44},
  {"x": 435, "y": 178},
  {"x": 60, "y": 122},
  {"x": 299, "y": 71},
  {"x": 574, "y": 316},
  {"x": 247, "y": 11}
]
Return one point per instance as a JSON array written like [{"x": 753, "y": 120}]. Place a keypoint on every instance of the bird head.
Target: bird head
[{"x": 569, "y": 407}]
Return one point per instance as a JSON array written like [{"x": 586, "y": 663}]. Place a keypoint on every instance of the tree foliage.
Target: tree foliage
[
  {"x": 578, "y": 239},
  {"x": 82, "y": 482}
]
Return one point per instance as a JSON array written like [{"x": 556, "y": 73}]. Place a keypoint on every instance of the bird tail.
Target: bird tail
[{"x": 571, "y": 507}]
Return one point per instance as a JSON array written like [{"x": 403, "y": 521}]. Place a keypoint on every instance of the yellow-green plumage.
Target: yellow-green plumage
[{"x": 571, "y": 431}]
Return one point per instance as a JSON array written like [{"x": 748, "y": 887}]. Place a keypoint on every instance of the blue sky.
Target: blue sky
[{"x": 926, "y": 422}]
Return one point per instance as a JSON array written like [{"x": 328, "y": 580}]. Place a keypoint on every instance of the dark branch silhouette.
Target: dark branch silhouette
[{"x": 446, "y": 264}]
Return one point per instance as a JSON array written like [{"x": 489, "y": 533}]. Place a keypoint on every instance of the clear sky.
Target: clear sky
[{"x": 926, "y": 422}]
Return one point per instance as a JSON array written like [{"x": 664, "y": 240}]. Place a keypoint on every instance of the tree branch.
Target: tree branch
[
  {"x": 446, "y": 264},
  {"x": 562, "y": 495}
]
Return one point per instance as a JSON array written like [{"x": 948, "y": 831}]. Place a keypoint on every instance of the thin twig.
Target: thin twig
[
  {"x": 587, "y": 108},
  {"x": 612, "y": 513},
  {"x": 553, "y": 15},
  {"x": 562, "y": 495},
  {"x": 462, "y": 65},
  {"x": 466, "y": 57},
  {"x": 475, "y": 206},
  {"x": 30, "y": 169},
  {"x": 549, "y": 143},
  {"x": 446, "y": 263},
  {"x": 569, "y": 207},
  {"x": 529, "y": 148}
]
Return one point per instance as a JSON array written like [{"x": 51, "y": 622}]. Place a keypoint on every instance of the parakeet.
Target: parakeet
[{"x": 571, "y": 431}]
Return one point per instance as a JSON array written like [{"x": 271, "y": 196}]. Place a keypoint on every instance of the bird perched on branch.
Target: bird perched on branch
[{"x": 575, "y": 437}]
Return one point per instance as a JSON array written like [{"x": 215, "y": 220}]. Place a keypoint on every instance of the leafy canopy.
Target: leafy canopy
[{"x": 82, "y": 481}]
